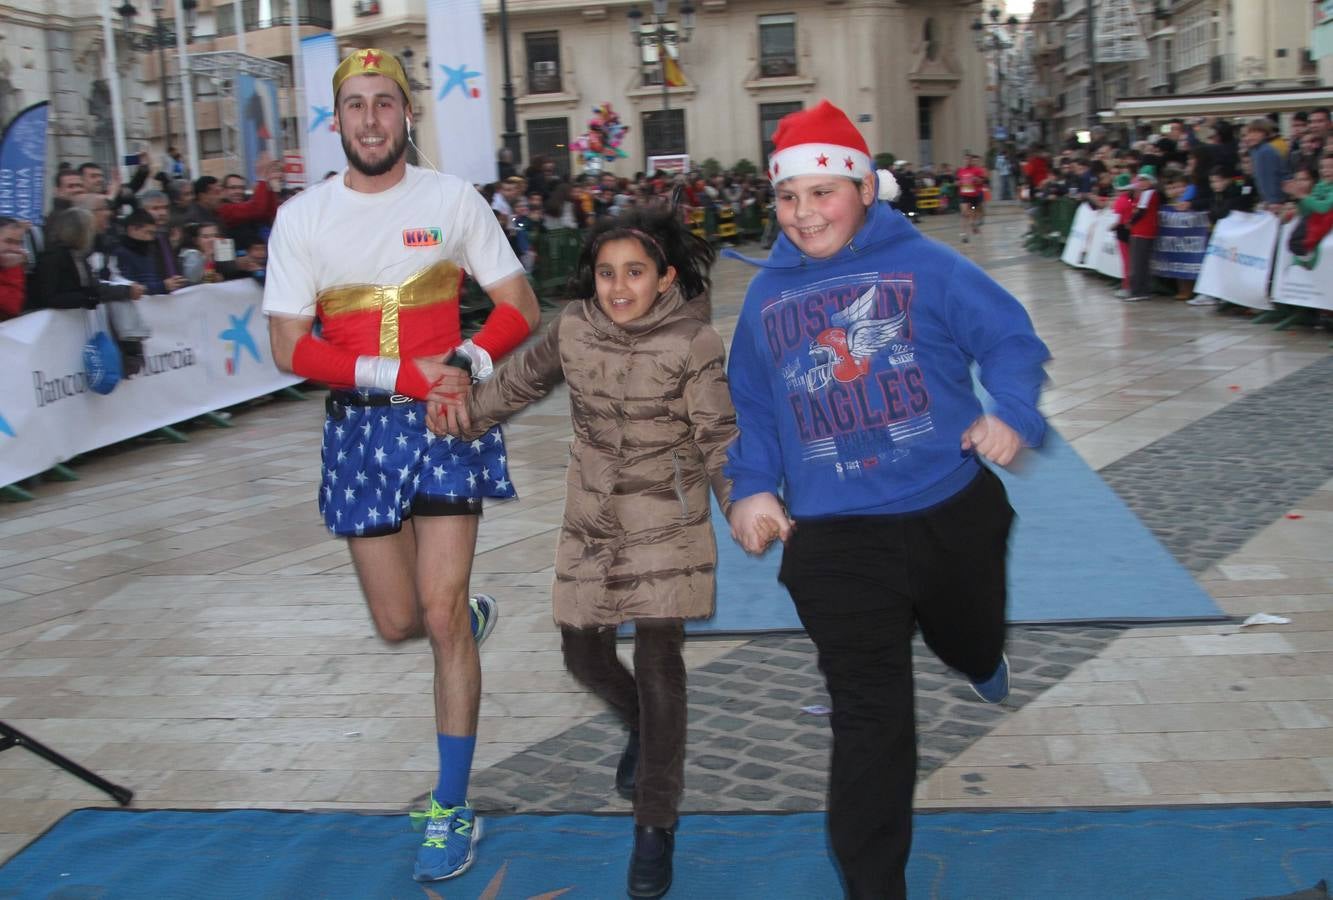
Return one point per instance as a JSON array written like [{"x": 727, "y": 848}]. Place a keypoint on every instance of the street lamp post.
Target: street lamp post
[
  {"x": 157, "y": 39},
  {"x": 511, "y": 135},
  {"x": 662, "y": 36},
  {"x": 990, "y": 39}
]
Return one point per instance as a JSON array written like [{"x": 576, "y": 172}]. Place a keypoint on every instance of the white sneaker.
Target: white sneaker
[
  {"x": 1137, "y": 298},
  {"x": 1121, "y": 293},
  {"x": 1202, "y": 300}
]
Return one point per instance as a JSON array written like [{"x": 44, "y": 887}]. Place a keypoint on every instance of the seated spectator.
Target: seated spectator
[
  {"x": 62, "y": 279},
  {"x": 13, "y": 262},
  {"x": 198, "y": 254},
  {"x": 1230, "y": 194},
  {"x": 1316, "y": 211},
  {"x": 262, "y": 205},
  {"x": 141, "y": 257},
  {"x": 1266, "y": 163},
  {"x": 207, "y": 198},
  {"x": 181, "y": 193},
  {"x": 233, "y": 189},
  {"x": 251, "y": 254}
]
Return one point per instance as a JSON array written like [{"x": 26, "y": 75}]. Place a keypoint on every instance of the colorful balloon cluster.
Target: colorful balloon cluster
[{"x": 603, "y": 138}]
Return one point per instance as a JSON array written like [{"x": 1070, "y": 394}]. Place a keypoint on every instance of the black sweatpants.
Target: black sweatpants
[
  {"x": 861, "y": 587},
  {"x": 651, "y": 701}
]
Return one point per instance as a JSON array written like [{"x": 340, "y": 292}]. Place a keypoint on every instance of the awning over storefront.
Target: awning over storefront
[{"x": 1233, "y": 104}]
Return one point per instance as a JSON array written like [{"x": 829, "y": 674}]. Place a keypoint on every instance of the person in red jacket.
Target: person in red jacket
[
  {"x": 1035, "y": 171},
  {"x": 12, "y": 262},
  {"x": 1143, "y": 234}
]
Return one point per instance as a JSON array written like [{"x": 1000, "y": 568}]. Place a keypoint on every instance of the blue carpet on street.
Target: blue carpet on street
[
  {"x": 1077, "y": 553},
  {"x": 1215, "y": 852}
]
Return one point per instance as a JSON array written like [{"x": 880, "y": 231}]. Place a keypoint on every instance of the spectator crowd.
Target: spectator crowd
[
  {"x": 1213, "y": 166},
  {"x": 106, "y": 242}
]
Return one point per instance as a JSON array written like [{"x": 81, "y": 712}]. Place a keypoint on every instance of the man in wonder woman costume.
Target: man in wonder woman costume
[{"x": 364, "y": 276}]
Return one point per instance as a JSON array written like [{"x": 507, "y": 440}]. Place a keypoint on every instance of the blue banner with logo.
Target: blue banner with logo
[
  {"x": 1182, "y": 240},
  {"x": 23, "y": 165}
]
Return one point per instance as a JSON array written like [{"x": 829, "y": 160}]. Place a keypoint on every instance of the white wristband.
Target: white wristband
[
  {"x": 378, "y": 372},
  {"x": 482, "y": 366}
]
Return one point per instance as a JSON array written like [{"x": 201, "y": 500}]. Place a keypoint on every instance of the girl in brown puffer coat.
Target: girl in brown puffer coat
[{"x": 652, "y": 419}]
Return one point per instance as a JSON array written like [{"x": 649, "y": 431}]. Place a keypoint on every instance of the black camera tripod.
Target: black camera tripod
[{"x": 12, "y": 737}]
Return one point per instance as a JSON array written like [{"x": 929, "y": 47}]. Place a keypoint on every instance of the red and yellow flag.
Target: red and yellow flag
[{"x": 674, "y": 76}]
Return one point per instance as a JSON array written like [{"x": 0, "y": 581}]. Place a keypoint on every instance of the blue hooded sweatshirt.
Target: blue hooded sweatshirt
[{"x": 852, "y": 375}]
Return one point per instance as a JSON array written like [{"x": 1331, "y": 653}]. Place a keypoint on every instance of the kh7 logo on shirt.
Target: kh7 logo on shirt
[{"x": 422, "y": 237}]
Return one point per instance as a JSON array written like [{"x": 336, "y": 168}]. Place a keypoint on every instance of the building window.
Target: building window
[
  {"x": 1192, "y": 42},
  {"x": 651, "y": 62},
  {"x": 543, "y": 61},
  {"x": 663, "y": 133},
  {"x": 210, "y": 143},
  {"x": 777, "y": 46},
  {"x": 769, "y": 116},
  {"x": 549, "y": 138}
]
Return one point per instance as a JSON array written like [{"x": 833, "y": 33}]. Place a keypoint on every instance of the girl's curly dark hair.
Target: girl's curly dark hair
[{"x": 663, "y": 236}]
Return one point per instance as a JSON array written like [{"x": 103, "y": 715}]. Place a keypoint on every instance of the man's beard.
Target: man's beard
[{"x": 396, "y": 151}]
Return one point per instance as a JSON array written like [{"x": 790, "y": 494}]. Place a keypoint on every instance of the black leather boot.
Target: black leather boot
[
  {"x": 650, "y": 865},
  {"x": 628, "y": 767}
]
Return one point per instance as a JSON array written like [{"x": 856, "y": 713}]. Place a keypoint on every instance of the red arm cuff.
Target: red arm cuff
[
  {"x": 321, "y": 361},
  {"x": 504, "y": 330}
]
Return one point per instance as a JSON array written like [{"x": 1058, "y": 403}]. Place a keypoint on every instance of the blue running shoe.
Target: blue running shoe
[
  {"x": 485, "y": 613},
  {"x": 450, "y": 844},
  {"x": 995, "y": 688}
]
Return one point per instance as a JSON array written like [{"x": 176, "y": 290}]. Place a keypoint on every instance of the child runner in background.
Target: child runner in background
[
  {"x": 652, "y": 421},
  {"x": 851, "y": 371},
  {"x": 1142, "y": 234},
  {"x": 1123, "y": 206}
]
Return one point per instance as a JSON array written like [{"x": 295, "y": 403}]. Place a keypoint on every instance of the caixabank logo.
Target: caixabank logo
[
  {"x": 6, "y": 429},
  {"x": 238, "y": 338}
]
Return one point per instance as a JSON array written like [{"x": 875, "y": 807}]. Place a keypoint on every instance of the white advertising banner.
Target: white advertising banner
[
  {"x": 1103, "y": 248},
  {"x": 1239, "y": 258},
  {"x": 461, "y": 90},
  {"x": 1076, "y": 245},
  {"x": 319, "y": 59},
  {"x": 1299, "y": 284},
  {"x": 209, "y": 350}
]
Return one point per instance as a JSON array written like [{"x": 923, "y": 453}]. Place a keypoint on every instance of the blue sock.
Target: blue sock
[{"x": 455, "y": 767}]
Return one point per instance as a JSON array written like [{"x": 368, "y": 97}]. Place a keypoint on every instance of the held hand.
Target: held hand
[
  {"x": 757, "y": 520},
  {"x": 450, "y": 389},
  {"x": 992, "y": 439},
  {"x": 137, "y": 290},
  {"x": 175, "y": 283}
]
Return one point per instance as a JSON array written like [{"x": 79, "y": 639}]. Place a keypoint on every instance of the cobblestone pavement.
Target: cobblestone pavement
[
  {"x": 751, "y": 747},
  {"x": 1208, "y": 488}
]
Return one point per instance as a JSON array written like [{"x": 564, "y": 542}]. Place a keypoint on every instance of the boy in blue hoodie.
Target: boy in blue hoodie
[{"x": 851, "y": 372}]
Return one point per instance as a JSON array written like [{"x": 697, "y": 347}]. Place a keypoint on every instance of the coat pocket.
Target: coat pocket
[{"x": 679, "y": 484}]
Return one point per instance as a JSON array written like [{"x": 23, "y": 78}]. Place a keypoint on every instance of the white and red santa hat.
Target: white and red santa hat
[{"x": 823, "y": 141}]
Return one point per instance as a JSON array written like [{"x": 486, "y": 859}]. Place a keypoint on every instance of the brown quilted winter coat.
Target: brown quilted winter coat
[{"x": 652, "y": 420}]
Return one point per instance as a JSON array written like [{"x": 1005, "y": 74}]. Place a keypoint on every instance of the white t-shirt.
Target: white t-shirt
[{"x": 331, "y": 236}]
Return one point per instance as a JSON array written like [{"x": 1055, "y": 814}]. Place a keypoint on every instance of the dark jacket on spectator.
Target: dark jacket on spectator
[
  {"x": 142, "y": 261},
  {"x": 62, "y": 280},
  {"x": 1239, "y": 196}
]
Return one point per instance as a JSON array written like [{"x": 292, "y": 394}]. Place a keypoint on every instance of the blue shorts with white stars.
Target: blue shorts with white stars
[{"x": 382, "y": 465}]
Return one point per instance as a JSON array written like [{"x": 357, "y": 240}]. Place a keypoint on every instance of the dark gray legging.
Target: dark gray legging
[{"x": 1140, "y": 266}]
